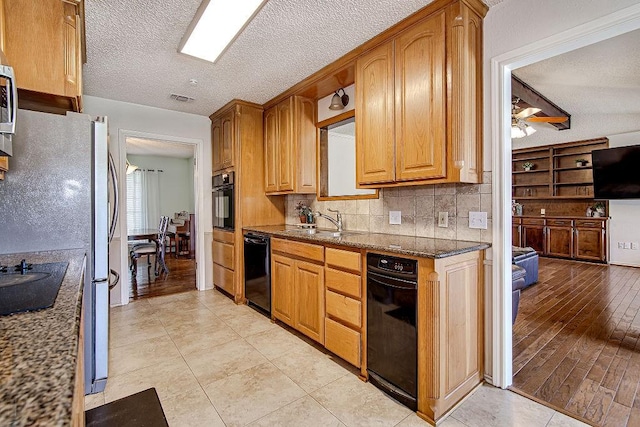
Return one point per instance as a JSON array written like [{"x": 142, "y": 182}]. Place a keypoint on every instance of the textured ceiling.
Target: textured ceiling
[
  {"x": 599, "y": 85},
  {"x": 152, "y": 147},
  {"x": 132, "y": 49}
]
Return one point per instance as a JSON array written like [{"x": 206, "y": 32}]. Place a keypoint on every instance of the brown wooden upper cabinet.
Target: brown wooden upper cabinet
[
  {"x": 418, "y": 103},
  {"x": 223, "y": 139},
  {"x": 43, "y": 41},
  {"x": 290, "y": 147}
]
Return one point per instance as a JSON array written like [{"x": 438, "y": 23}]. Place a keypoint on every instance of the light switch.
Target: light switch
[
  {"x": 478, "y": 220},
  {"x": 395, "y": 217},
  {"x": 443, "y": 219}
]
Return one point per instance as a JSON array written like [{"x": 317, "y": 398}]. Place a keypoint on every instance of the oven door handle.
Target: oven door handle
[
  {"x": 402, "y": 284},
  {"x": 256, "y": 241}
]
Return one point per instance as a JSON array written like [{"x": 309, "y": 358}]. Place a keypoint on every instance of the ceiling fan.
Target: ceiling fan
[{"x": 521, "y": 117}]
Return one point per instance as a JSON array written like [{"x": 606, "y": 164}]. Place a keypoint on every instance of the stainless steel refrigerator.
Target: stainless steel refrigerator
[{"x": 56, "y": 196}]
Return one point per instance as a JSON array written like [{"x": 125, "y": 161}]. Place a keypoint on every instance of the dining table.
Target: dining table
[{"x": 150, "y": 234}]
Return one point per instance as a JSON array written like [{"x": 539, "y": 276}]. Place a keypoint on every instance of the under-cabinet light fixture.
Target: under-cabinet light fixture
[{"x": 216, "y": 25}]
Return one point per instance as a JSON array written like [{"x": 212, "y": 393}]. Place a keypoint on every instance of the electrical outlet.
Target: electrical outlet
[
  {"x": 627, "y": 245},
  {"x": 478, "y": 220},
  {"x": 620, "y": 245},
  {"x": 634, "y": 246},
  {"x": 443, "y": 219},
  {"x": 395, "y": 217},
  {"x": 542, "y": 211}
]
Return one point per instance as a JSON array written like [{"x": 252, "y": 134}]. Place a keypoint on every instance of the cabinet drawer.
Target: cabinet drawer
[
  {"x": 298, "y": 249},
  {"x": 347, "y": 260},
  {"x": 342, "y": 341},
  {"x": 589, "y": 223},
  {"x": 533, "y": 221},
  {"x": 223, "y": 236},
  {"x": 559, "y": 222},
  {"x": 223, "y": 255},
  {"x": 223, "y": 278},
  {"x": 344, "y": 308},
  {"x": 344, "y": 283}
]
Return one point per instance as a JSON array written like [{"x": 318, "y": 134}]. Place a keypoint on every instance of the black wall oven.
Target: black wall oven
[{"x": 223, "y": 201}]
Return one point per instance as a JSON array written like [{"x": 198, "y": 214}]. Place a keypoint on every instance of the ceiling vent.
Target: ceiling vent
[{"x": 181, "y": 98}]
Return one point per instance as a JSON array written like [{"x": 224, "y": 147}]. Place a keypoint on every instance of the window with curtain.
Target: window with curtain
[{"x": 143, "y": 199}]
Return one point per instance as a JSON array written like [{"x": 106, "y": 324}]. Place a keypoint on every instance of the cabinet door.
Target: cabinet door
[
  {"x": 534, "y": 237},
  {"x": 282, "y": 289},
  {"x": 516, "y": 238},
  {"x": 228, "y": 139},
  {"x": 271, "y": 150},
  {"x": 420, "y": 91},
  {"x": 305, "y": 140},
  {"x": 559, "y": 241},
  {"x": 71, "y": 55},
  {"x": 590, "y": 244},
  {"x": 375, "y": 119},
  {"x": 309, "y": 310},
  {"x": 216, "y": 145},
  {"x": 285, "y": 145}
]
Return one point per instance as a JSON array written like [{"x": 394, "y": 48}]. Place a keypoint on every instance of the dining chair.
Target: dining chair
[{"x": 157, "y": 248}]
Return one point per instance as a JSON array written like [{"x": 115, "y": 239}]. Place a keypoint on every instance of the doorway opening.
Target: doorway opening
[
  {"x": 598, "y": 30},
  {"x": 160, "y": 216}
]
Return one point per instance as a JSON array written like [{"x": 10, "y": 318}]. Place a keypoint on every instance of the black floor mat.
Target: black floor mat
[{"x": 138, "y": 410}]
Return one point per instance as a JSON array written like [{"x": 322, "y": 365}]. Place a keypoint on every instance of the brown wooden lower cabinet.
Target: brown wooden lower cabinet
[
  {"x": 450, "y": 314},
  {"x": 450, "y": 331},
  {"x": 4, "y": 166},
  {"x": 297, "y": 286},
  {"x": 570, "y": 238},
  {"x": 77, "y": 411},
  {"x": 222, "y": 250}
]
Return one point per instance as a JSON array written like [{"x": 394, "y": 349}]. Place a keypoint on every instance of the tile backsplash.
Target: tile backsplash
[{"x": 419, "y": 206}]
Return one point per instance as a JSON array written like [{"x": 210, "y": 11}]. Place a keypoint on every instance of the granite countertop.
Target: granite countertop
[
  {"x": 407, "y": 245},
  {"x": 38, "y": 350},
  {"x": 601, "y": 218}
]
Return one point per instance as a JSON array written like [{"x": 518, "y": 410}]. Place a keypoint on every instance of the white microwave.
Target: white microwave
[{"x": 8, "y": 109}]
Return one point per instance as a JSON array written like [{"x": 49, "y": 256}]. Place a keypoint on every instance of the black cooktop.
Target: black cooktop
[{"x": 28, "y": 287}]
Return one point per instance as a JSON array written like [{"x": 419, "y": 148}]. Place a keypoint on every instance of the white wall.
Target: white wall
[
  {"x": 126, "y": 119},
  {"x": 624, "y": 214},
  {"x": 176, "y": 181}
]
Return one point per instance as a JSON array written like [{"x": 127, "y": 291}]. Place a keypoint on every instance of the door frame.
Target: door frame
[
  {"x": 199, "y": 186},
  {"x": 600, "y": 29}
]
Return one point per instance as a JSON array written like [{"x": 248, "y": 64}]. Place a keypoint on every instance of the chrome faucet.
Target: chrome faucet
[{"x": 337, "y": 222}]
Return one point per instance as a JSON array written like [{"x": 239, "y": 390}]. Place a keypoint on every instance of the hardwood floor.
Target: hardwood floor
[
  {"x": 575, "y": 341},
  {"x": 181, "y": 278}
]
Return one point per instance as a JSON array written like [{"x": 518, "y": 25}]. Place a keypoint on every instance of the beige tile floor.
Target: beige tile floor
[{"x": 217, "y": 364}]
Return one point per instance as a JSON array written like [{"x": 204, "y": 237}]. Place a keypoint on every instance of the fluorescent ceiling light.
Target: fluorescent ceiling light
[{"x": 217, "y": 23}]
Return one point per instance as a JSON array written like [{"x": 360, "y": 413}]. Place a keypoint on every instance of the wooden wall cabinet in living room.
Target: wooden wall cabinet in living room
[
  {"x": 297, "y": 286},
  {"x": 571, "y": 238},
  {"x": 290, "y": 147},
  {"x": 556, "y": 173},
  {"x": 418, "y": 103},
  {"x": 590, "y": 240},
  {"x": 43, "y": 41}
]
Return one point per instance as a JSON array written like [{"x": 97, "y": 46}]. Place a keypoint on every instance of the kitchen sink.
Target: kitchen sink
[{"x": 29, "y": 287}]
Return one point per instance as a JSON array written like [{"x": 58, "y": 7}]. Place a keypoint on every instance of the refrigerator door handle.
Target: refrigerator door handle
[
  {"x": 116, "y": 201},
  {"x": 115, "y": 282}
]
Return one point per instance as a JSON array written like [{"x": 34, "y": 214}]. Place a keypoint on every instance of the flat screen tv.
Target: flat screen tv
[{"x": 616, "y": 173}]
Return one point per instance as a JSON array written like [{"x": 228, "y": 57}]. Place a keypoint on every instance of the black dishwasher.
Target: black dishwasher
[
  {"x": 391, "y": 326},
  {"x": 257, "y": 271}
]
